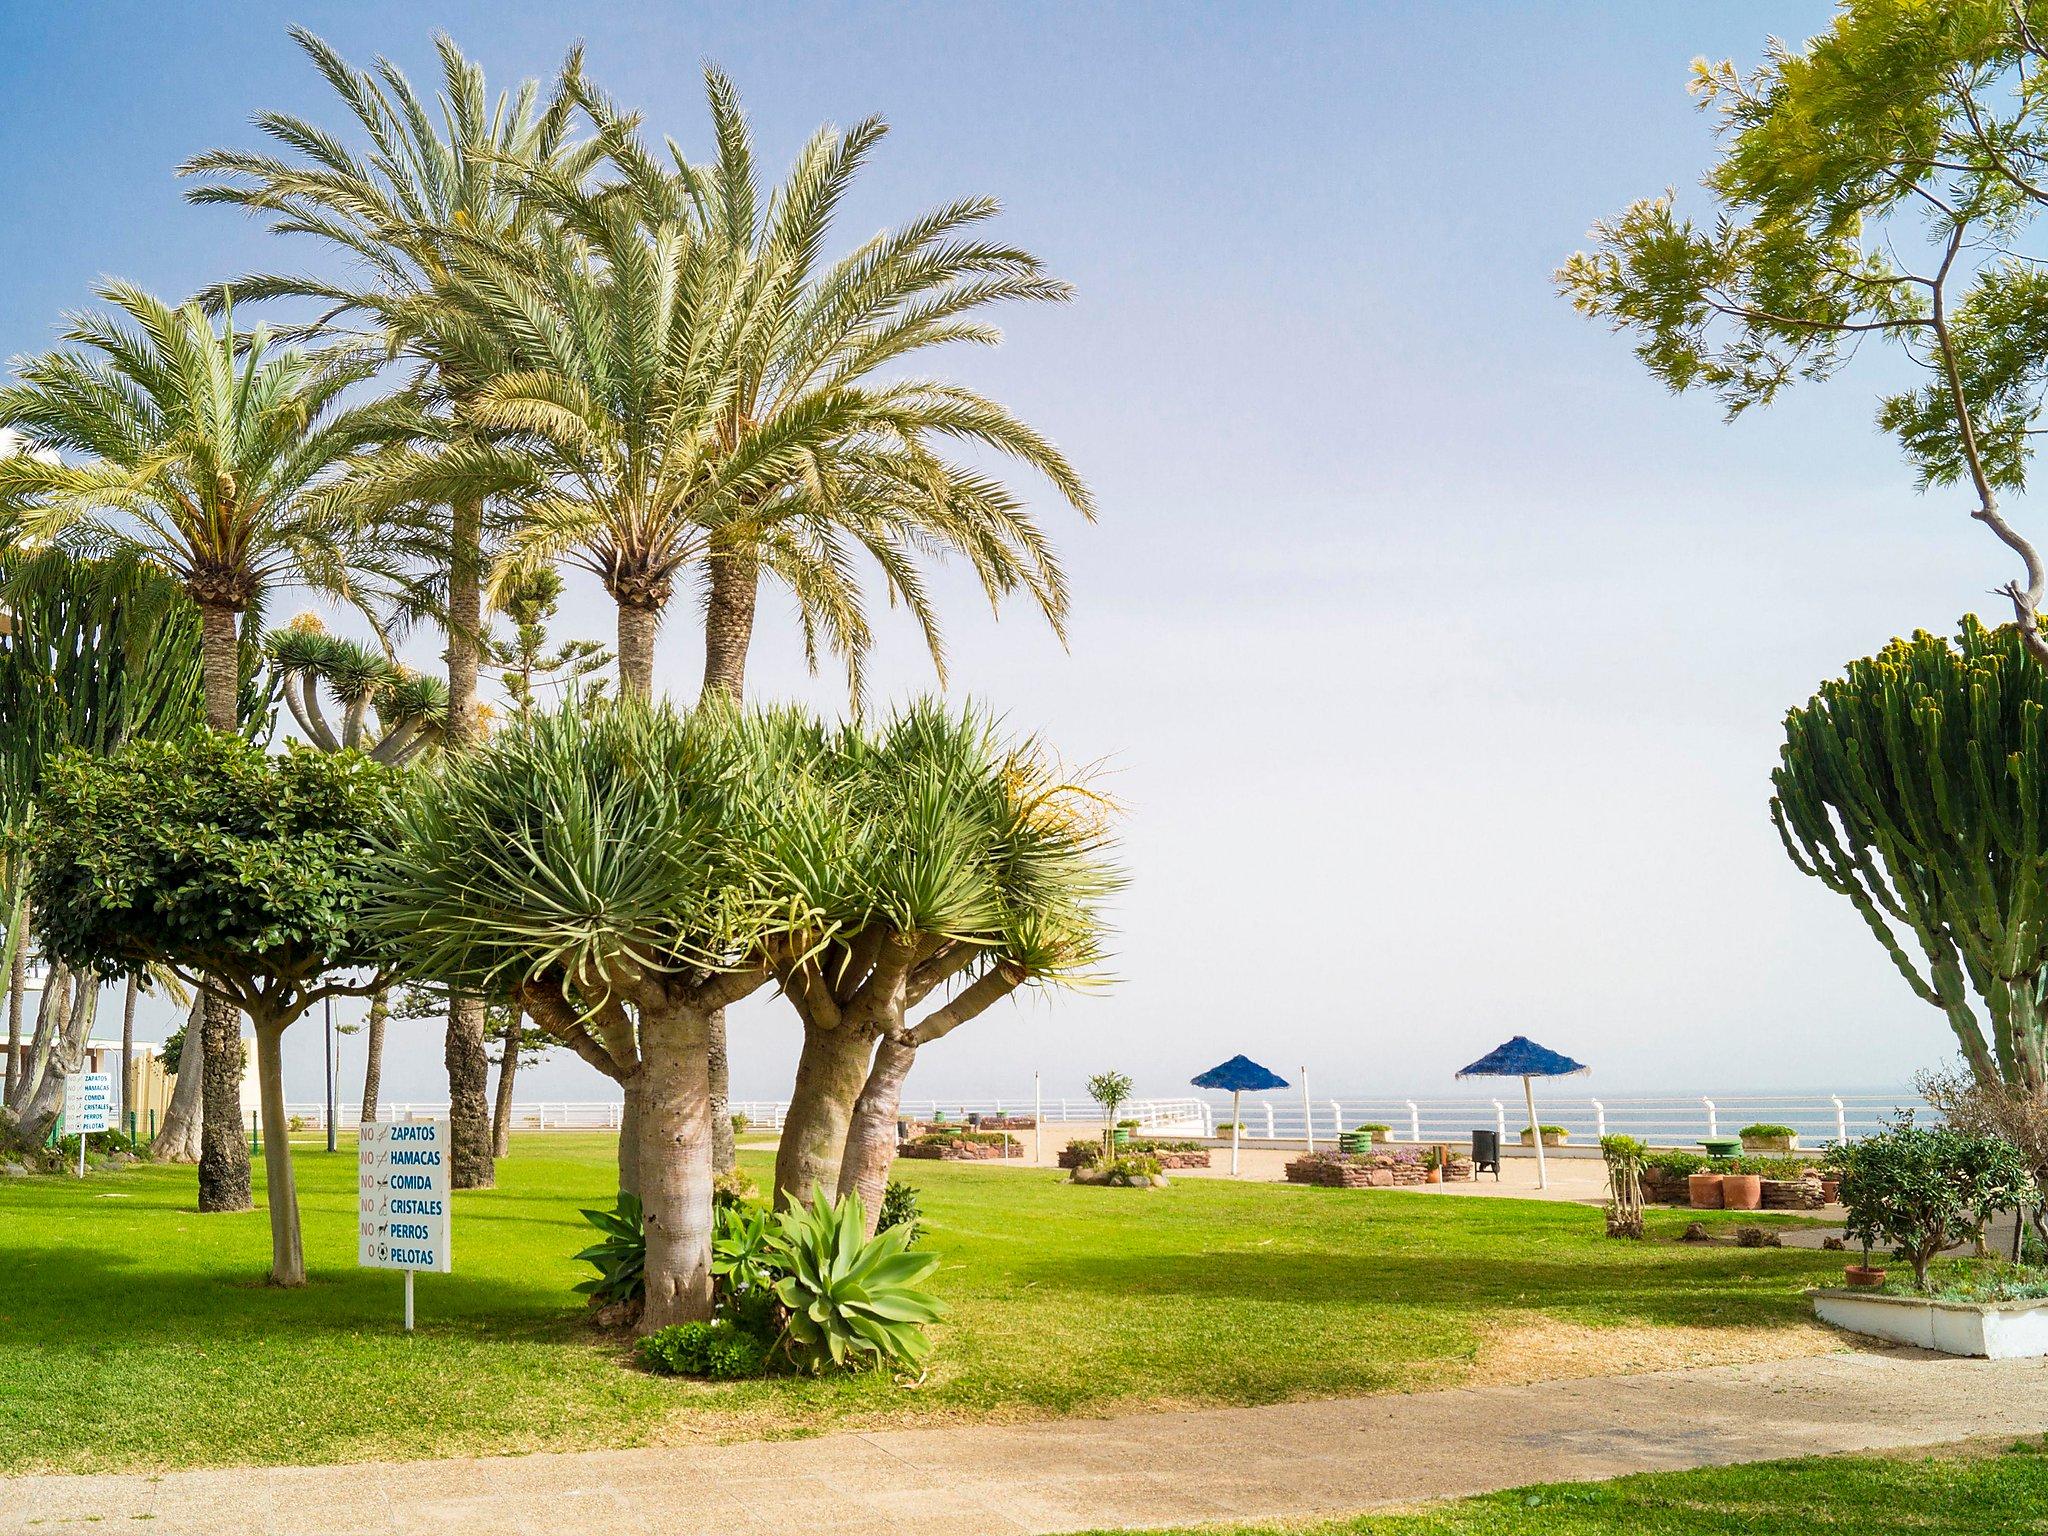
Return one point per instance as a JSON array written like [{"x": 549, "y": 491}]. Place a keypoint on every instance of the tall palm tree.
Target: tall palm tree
[
  {"x": 687, "y": 386},
  {"x": 433, "y": 166},
  {"x": 212, "y": 454}
]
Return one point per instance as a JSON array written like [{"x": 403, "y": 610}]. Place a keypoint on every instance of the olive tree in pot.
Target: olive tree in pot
[
  {"x": 1923, "y": 1189},
  {"x": 1111, "y": 1090},
  {"x": 241, "y": 873}
]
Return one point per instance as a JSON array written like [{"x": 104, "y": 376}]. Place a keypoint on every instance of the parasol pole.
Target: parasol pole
[
  {"x": 1236, "y": 1113},
  {"x": 1535, "y": 1130}
]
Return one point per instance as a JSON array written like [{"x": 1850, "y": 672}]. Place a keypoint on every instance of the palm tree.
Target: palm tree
[
  {"x": 212, "y": 454},
  {"x": 433, "y": 167},
  {"x": 686, "y": 387}
]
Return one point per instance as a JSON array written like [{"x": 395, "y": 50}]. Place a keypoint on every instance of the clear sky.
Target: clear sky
[{"x": 1438, "y": 654}]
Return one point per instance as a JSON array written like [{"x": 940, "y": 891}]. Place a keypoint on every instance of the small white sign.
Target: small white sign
[
  {"x": 403, "y": 1209},
  {"x": 88, "y": 1103}
]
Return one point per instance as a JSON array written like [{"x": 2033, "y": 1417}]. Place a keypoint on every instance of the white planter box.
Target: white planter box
[{"x": 1995, "y": 1330}]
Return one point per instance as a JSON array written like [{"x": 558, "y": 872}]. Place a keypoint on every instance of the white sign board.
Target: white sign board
[
  {"x": 88, "y": 1103},
  {"x": 403, "y": 1205}
]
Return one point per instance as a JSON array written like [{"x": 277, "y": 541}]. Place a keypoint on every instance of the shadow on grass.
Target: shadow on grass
[
  {"x": 80, "y": 1295},
  {"x": 1717, "y": 1288}
]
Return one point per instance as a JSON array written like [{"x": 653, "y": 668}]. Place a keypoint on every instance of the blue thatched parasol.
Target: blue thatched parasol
[
  {"x": 1524, "y": 1058},
  {"x": 1238, "y": 1076}
]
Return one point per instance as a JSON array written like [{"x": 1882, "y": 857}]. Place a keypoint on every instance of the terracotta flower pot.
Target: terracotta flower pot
[
  {"x": 1703, "y": 1191},
  {"x": 1830, "y": 1190},
  {"x": 1856, "y": 1275},
  {"x": 1742, "y": 1191},
  {"x": 1434, "y": 1175}
]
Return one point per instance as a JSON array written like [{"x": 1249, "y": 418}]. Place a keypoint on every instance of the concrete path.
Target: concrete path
[{"x": 1290, "y": 1460}]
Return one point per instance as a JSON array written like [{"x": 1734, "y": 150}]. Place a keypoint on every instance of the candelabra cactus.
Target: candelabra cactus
[{"x": 1916, "y": 784}]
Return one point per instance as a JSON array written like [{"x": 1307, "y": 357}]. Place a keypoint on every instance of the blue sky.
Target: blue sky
[{"x": 1437, "y": 653}]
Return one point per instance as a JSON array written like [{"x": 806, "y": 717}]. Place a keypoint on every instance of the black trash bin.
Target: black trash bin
[{"x": 1486, "y": 1153}]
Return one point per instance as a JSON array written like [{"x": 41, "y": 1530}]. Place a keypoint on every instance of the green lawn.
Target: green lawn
[
  {"x": 138, "y": 1333},
  {"x": 1938, "y": 1495}
]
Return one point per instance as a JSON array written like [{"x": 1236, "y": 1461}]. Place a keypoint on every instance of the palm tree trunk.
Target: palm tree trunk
[
  {"x": 373, "y": 1069},
  {"x": 675, "y": 1161},
  {"x": 178, "y": 1138},
  {"x": 724, "y": 1152},
  {"x": 469, "y": 1068},
  {"x": 508, "y": 1071},
  {"x": 281, "y": 1191},
  {"x": 728, "y": 633},
  {"x": 729, "y": 622},
  {"x": 637, "y": 626},
  {"x": 128, "y": 1050},
  {"x": 830, "y": 1074},
  {"x": 223, "y": 1155},
  {"x": 871, "y": 1137}
]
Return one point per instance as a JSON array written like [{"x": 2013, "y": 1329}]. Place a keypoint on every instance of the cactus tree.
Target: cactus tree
[{"x": 1916, "y": 784}]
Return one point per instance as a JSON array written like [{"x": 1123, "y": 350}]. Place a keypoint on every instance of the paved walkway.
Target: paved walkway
[{"x": 1291, "y": 1460}]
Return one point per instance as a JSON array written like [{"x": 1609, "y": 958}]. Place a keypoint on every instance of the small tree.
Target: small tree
[
  {"x": 239, "y": 872},
  {"x": 1110, "y": 1090},
  {"x": 1624, "y": 1158},
  {"x": 1923, "y": 1190}
]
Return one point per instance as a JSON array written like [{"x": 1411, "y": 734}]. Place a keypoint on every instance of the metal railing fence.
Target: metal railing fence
[{"x": 1663, "y": 1120}]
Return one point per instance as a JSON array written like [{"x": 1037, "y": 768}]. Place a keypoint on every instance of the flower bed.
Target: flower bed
[
  {"x": 1168, "y": 1154},
  {"x": 1367, "y": 1170},
  {"x": 961, "y": 1147}
]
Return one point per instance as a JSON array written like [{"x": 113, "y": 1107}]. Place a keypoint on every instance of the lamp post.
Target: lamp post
[{"x": 330, "y": 1073}]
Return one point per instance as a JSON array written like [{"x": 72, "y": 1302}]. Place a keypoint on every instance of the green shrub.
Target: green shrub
[
  {"x": 1372, "y": 1125},
  {"x": 734, "y": 1187},
  {"x": 1149, "y": 1145},
  {"x": 1088, "y": 1153},
  {"x": 620, "y": 1254},
  {"x": 1979, "y": 1280},
  {"x": 976, "y": 1138},
  {"x": 1675, "y": 1164},
  {"x": 851, "y": 1301},
  {"x": 1761, "y": 1132},
  {"x": 1548, "y": 1130},
  {"x": 901, "y": 1208},
  {"x": 719, "y": 1349},
  {"x": 1922, "y": 1190},
  {"x": 1130, "y": 1170},
  {"x": 739, "y": 1125}
]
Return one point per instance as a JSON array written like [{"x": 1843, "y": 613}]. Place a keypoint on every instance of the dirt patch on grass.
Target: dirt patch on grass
[{"x": 1529, "y": 1346}]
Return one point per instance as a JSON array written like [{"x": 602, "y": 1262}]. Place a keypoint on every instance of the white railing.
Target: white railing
[
  {"x": 554, "y": 1115},
  {"x": 1182, "y": 1117},
  {"x": 1670, "y": 1120}
]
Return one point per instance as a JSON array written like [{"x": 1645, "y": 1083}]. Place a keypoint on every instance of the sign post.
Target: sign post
[
  {"x": 88, "y": 1107},
  {"x": 403, "y": 1207}
]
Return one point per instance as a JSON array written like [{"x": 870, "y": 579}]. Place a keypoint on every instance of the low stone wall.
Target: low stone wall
[
  {"x": 1368, "y": 1170},
  {"x": 960, "y": 1150},
  {"x": 1803, "y": 1194}
]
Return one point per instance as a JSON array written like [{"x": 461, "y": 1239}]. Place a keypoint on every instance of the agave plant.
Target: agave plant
[
  {"x": 620, "y": 1255},
  {"x": 852, "y": 1300}
]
